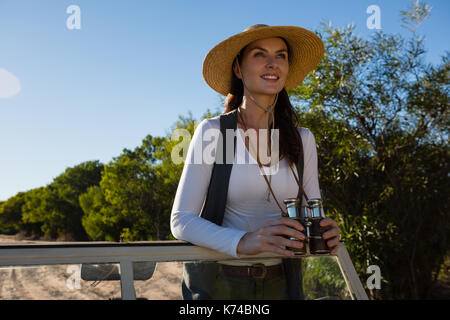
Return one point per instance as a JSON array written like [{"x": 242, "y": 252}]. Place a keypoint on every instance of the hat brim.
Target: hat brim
[{"x": 306, "y": 50}]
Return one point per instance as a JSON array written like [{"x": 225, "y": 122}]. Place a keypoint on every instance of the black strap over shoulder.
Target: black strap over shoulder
[
  {"x": 198, "y": 283},
  {"x": 214, "y": 207}
]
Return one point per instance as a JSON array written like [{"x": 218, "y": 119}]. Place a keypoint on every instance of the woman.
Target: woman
[{"x": 254, "y": 69}]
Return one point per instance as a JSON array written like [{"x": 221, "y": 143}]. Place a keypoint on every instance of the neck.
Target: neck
[{"x": 254, "y": 116}]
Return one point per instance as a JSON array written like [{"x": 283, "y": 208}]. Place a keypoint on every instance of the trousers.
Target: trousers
[{"x": 271, "y": 287}]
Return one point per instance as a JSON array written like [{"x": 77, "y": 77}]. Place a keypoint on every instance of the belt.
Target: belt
[{"x": 258, "y": 270}]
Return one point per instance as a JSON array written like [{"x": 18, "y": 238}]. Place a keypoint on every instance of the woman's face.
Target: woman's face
[{"x": 264, "y": 66}]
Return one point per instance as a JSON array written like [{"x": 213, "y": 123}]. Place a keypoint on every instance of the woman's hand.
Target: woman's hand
[
  {"x": 332, "y": 234},
  {"x": 272, "y": 238}
]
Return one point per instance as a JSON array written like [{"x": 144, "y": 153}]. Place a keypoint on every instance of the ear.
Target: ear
[{"x": 236, "y": 69}]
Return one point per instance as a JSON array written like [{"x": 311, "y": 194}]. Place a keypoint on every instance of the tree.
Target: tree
[
  {"x": 41, "y": 208},
  {"x": 11, "y": 216},
  {"x": 99, "y": 220},
  {"x": 380, "y": 117},
  {"x": 56, "y": 205},
  {"x": 125, "y": 206}
]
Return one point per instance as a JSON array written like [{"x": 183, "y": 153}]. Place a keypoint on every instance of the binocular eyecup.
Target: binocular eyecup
[{"x": 309, "y": 216}]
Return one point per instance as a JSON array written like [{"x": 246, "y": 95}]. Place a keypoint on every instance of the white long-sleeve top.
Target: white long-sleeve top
[{"x": 246, "y": 208}]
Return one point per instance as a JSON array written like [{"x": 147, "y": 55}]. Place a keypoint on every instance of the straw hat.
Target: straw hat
[{"x": 306, "y": 51}]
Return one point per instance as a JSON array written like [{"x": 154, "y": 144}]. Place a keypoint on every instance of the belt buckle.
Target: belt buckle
[{"x": 256, "y": 266}]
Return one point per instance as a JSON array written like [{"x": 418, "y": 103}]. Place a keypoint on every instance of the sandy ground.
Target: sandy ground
[{"x": 62, "y": 282}]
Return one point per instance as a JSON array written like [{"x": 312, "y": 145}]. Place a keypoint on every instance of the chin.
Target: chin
[{"x": 270, "y": 91}]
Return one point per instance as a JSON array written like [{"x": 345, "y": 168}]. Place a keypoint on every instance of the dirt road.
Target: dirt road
[{"x": 62, "y": 282}]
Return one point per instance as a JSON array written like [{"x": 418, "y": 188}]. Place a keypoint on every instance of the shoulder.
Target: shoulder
[
  {"x": 306, "y": 135},
  {"x": 209, "y": 123},
  {"x": 308, "y": 140}
]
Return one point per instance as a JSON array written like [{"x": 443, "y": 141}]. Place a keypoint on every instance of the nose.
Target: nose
[{"x": 270, "y": 62}]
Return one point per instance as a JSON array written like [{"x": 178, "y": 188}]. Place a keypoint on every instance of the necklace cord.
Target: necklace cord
[
  {"x": 283, "y": 213},
  {"x": 270, "y": 110}
]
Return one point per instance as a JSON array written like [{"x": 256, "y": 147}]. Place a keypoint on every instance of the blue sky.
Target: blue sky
[{"x": 132, "y": 68}]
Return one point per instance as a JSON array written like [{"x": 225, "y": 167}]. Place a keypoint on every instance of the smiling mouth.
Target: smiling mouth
[{"x": 270, "y": 78}]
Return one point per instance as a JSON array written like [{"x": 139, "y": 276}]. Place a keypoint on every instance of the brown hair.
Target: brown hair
[{"x": 285, "y": 116}]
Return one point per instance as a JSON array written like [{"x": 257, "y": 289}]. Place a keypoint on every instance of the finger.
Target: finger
[
  {"x": 285, "y": 231},
  {"x": 327, "y": 222},
  {"x": 288, "y": 222},
  {"x": 278, "y": 250},
  {"x": 282, "y": 241},
  {"x": 333, "y": 242},
  {"x": 334, "y": 232},
  {"x": 335, "y": 250}
]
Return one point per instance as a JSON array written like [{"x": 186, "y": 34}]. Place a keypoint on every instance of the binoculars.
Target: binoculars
[{"x": 309, "y": 216}]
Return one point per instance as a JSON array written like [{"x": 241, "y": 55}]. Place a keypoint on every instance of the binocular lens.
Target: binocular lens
[{"x": 309, "y": 216}]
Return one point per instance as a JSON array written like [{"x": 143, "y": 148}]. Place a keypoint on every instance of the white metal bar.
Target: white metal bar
[
  {"x": 126, "y": 280},
  {"x": 125, "y": 253},
  {"x": 114, "y": 253},
  {"x": 109, "y": 253},
  {"x": 350, "y": 275}
]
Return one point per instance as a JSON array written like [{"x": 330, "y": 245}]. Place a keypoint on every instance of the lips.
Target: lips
[{"x": 270, "y": 77}]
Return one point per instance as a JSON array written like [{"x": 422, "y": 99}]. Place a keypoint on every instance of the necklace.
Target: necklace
[
  {"x": 269, "y": 110},
  {"x": 257, "y": 156}
]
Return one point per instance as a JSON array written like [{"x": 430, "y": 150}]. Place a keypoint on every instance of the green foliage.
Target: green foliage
[
  {"x": 380, "y": 117},
  {"x": 55, "y": 207},
  {"x": 322, "y": 279},
  {"x": 418, "y": 12},
  {"x": 11, "y": 216},
  {"x": 98, "y": 221},
  {"x": 125, "y": 198}
]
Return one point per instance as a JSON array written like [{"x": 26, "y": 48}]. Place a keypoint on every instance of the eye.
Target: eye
[
  {"x": 259, "y": 54},
  {"x": 282, "y": 55}
]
